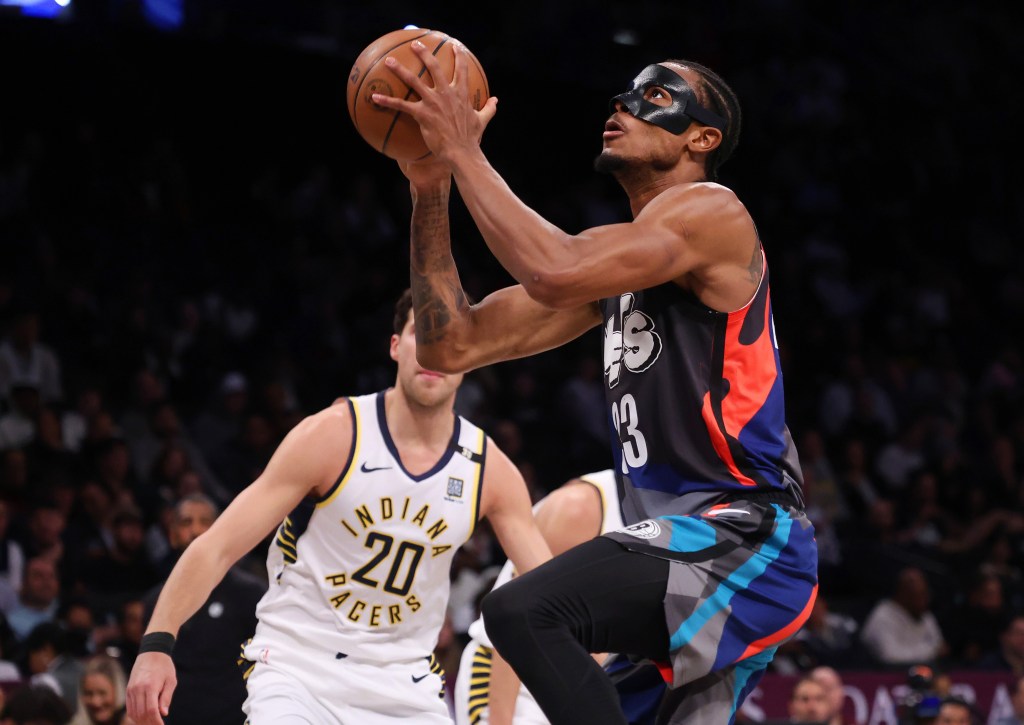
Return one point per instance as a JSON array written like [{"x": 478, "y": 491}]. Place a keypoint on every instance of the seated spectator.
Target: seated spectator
[
  {"x": 35, "y": 705},
  {"x": 12, "y": 561},
  {"x": 124, "y": 571},
  {"x": 1017, "y": 701},
  {"x": 974, "y": 628},
  {"x": 808, "y": 702},
  {"x": 902, "y": 630},
  {"x": 101, "y": 693},
  {"x": 955, "y": 711},
  {"x": 38, "y": 600},
  {"x": 48, "y": 662},
  {"x": 828, "y": 678},
  {"x": 827, "y": 638},
  {"x": 1009, "y": 654}
]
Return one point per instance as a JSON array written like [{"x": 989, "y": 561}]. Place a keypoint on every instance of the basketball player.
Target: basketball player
[
  {"x": 579, "y": 510},
  {"x": 717, "y": 564},
  {"x": 370, "y": 499}
]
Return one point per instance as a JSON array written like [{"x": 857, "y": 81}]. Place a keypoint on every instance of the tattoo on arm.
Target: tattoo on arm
[{"x": 437, "y": 294}]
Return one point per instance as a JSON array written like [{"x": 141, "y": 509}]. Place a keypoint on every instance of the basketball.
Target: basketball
[{"x": 392, "y": 133}]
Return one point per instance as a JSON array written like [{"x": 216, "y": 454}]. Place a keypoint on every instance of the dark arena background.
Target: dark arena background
[{"x": 199, "y": 250}]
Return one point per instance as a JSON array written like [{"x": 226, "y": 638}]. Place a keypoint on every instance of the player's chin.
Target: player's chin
[{"x": 608, "y": 162}]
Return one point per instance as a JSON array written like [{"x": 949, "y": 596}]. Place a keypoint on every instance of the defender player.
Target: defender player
[
  {"x": 576, "y": 511},
  {"x": 371, "y": 498},
  {"x": 718, "y": 565}
]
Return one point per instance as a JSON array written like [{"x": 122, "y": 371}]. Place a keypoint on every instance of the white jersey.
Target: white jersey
[
  {"x": 472, "y": 688},
  {"x": 364, "y": 572}
]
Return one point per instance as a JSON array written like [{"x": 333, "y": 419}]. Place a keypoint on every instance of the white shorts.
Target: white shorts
[
  {"x": 472, "y": 691},
  {"x": 358, "y": 693}
]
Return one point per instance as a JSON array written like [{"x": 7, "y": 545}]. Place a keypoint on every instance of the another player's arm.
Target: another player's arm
[
  {"x": 687, "y": 228},
  {"x": 571, "y": 514},
  {"x": 451, "y": 334},
  {"x": 295, "y": 470}
]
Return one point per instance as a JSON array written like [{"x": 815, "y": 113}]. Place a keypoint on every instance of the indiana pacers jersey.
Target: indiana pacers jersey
[
  {"x": 696, "y": 402},
  {"x": 472, "y": 687},
  {"x": 364, "y": 572}
]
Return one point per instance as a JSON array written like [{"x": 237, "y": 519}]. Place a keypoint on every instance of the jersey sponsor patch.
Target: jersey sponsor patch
[
  {"x": 648, "y": 529},
  {"x": 455, "y": 486}
]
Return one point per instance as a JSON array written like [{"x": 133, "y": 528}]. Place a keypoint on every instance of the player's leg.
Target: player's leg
[
  {"x": 596, "y": 597},
  {"x": 277, "y": 699}
]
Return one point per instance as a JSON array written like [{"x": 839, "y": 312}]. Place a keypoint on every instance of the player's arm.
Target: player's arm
[
  {"x": 685, "y": 229},
  {"x": 452, "y": 335},
  {"x": 298, "y": 468}
]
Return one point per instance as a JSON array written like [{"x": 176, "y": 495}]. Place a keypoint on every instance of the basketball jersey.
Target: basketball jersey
[
  {"x": 696, "y": 402},
  {"x": 364, "y": 572},
  {"x": 611, "y": 519}
]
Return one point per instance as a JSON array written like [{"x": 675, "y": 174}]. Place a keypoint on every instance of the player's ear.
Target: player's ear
[
  {"x": 394, "y": 347},
  {"x": 704, "y": 138}
]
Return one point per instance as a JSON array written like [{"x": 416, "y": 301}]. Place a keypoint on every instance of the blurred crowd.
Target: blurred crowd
[{"x": 184, "y": 275}]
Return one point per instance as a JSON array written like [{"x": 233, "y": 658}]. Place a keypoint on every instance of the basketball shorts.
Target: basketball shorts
[
  {"x": 743, "y": 581},
  {"x": 352, "y": 693},
  {"x": 472, "y": 691}
]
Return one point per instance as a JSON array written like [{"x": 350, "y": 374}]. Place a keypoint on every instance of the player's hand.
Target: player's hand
[
  {"x": 150, "y": 687},
  {"x": 447, "y": 119},
  {"x": 428, "y": 172}
]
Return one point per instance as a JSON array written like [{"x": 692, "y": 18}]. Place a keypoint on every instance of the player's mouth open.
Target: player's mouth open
[{"x": 612, "y": 129}]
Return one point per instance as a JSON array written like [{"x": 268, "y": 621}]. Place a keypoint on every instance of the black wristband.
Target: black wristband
[{"x": 157, "y": 642}]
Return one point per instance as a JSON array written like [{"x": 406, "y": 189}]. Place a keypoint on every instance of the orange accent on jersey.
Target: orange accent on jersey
[
  {"x": 665, "y": 669},
  {"x": 783, "y": 633},
  {"x": 721, "y": 445},
  {"x": 751, "y": 372}
]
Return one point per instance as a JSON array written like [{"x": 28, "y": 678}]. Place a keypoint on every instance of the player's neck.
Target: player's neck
[
  {"x": 643, "y": 184},
  {"x": 417, "y": 425}
]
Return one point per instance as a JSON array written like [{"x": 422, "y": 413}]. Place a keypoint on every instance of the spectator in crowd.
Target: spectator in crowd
[
  {"x": 1009, "y": 654},
  {"x": 210, "y": 687},
  {"x": 974, "y": 628},
  {"x": 39, "y": 598},
  {"x": 808, "y": 702},
  {"x": 124, "y": 644},
  {"x": 48, "y": 661},
  {"x": 1017, "y": 701},
  {"x": 35, "y": 705},
  {"x": 831, "y": 680},
  {"x": 24, "y": 357},
  {"x": 955, "y": 711},
  {"x": 12, "y": 561},
  {"x": 18, "y": 424},
  {"x": 101, "y": 693},
  {"x": 902, "y": 630},
  {"x": 124, "y": 571}
]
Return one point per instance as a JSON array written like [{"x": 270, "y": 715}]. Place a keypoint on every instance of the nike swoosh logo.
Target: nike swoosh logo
[
  {"x": 719, "y": 512},
  {"x": 364, "y": 468},
  {"x": 421, "y": 677}
]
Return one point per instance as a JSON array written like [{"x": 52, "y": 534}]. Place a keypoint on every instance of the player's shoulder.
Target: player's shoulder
[
  {"x": 704, "y": 193},
  {"x": 332, "y": 420},
  {"x": 575, "y": 500}
]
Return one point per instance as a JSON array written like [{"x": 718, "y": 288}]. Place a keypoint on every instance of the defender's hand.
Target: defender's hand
[{"x": 150, "y": 687}]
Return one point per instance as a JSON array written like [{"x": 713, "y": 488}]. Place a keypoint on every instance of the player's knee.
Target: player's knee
[{"x": 505, "y": 615}]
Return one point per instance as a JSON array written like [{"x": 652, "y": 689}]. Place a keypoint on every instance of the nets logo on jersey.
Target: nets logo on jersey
[
  {"x": 455, "y": 487},
  {"x": 629, "y": 340},
  {"x": 644, "y": 530}
]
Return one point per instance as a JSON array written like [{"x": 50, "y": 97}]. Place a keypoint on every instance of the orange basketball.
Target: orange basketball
[{"x": 392, "y": 133}]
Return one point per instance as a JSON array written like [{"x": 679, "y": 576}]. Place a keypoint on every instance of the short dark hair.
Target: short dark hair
[
  {"x": 402, "y": 309},
  {"x": 716, "y": 95},
  {"x": 36, "y": 704}
]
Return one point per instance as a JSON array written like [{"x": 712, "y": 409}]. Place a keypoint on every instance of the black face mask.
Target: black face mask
[{"x": 675, "y": 118}]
